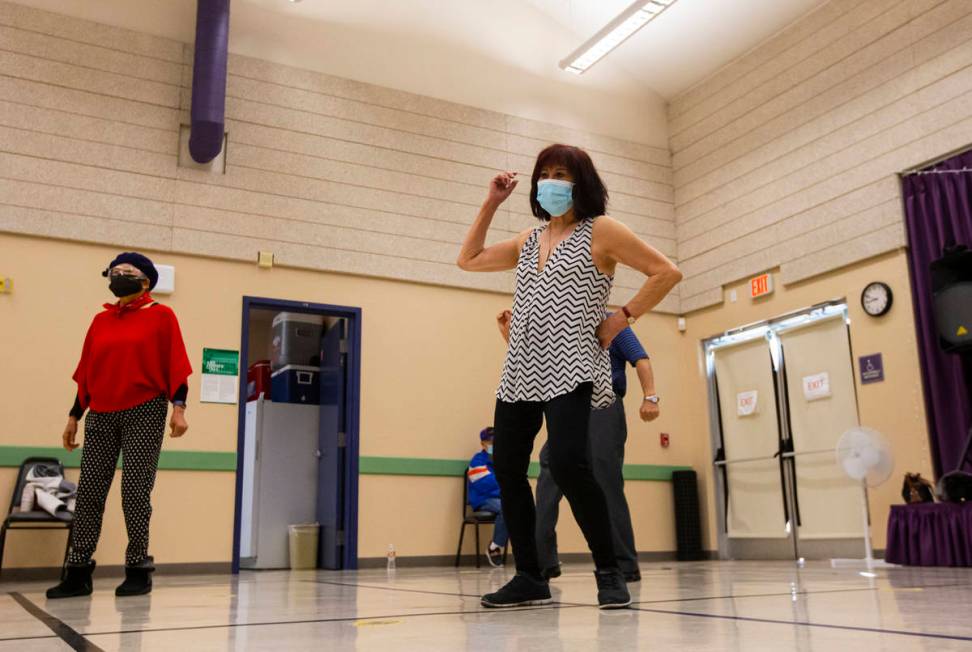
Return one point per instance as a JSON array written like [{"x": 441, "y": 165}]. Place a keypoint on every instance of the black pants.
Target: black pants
[
  {"x": 137, "y": 433},
  {"x": 516, "y": 425},
  {"x": 608, "y": 434}
]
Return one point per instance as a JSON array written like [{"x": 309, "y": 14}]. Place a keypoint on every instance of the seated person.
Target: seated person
[{"x": 484, "y": 495}]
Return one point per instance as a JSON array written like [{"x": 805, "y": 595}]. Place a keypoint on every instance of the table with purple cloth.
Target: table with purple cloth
[{"x": 930, "y": 534}]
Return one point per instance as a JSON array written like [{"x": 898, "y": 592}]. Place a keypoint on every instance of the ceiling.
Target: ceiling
[
  {"x": 690, "y": 41},
  {"x": 498, "y": 55}
]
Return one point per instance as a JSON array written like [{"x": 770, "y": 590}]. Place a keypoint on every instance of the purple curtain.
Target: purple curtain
[
  {"x": 938, "y": 214},
  {"x": 930, "y": 534}
]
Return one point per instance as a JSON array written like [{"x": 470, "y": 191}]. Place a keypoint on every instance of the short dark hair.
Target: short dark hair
[{"x": 590, "y": 193}]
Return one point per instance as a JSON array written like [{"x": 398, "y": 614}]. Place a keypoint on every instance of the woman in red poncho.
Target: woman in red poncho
[{"x": 133, "y": 363}]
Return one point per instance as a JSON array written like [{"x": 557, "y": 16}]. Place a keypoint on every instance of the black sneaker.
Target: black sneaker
[
  {"x": 521, "y": 591},
  {"x": 611, "y": 590},
  {"x": 551, "y": 573},
  {"x": 632, "y": 577}
]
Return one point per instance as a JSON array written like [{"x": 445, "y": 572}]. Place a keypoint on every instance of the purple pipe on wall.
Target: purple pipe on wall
[{"x": 209, "y": 80}]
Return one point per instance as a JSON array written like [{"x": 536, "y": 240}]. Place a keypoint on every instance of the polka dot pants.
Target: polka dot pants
[{"x": 137, "y": 433}]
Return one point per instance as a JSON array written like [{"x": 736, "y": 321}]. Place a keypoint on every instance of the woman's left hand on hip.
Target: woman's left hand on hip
[{"x": 610, "y": 328}]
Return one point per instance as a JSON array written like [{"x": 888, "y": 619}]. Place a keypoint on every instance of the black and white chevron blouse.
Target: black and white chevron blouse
[{"x": 553, "y": 348}]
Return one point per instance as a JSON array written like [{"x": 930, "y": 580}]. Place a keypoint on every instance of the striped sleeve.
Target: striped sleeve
[
  {"x": 476, "y": 473},
  {"x": 629, "y": 347}
]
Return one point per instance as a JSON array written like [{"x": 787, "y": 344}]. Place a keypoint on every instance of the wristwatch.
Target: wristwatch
[
  {"x": 653, "y": 399},
  {"x": 181, "y": 404},
  {"x": 628, "y": 316}
]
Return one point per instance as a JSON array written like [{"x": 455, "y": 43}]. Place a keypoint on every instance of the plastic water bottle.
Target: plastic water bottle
[{"x": 391, "y": 557}]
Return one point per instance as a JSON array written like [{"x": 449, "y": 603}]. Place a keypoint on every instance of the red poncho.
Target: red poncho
[{"x": 131, "y": 355}]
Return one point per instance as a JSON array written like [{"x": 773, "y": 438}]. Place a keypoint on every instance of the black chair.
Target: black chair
[
  {"x": 36, "y": 519},
  {"x": 470, "y": 517}
]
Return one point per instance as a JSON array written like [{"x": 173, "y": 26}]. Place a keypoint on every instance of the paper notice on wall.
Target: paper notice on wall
[
  {"x": 220, "y": 376},
  {"x": 816, "y": 387},
  {"x": 746, "y": 403}
]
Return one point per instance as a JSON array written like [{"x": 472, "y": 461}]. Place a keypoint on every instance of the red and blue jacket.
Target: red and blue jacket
[{"x": 481, "y": 479}]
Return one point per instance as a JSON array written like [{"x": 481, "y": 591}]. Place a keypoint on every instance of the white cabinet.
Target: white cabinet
[{"x": 280, "y": 469}]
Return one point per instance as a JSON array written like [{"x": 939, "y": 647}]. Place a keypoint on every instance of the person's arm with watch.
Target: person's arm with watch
[
  {"x": 614, "y": 243},
  {"x": 629, "y": 348},
  {"x": 649, "y": 410}
]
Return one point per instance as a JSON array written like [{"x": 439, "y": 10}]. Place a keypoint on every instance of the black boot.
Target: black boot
[
  {"x": 612, "y": 593},
  {"x": 76, "y": 582},
  {"x": 138, "y": 579}
]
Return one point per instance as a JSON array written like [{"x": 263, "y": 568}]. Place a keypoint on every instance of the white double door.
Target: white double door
[{"x": 784, "y": 396}]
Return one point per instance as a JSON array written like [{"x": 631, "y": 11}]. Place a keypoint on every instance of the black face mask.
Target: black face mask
[{"x": 123, "y": 286}]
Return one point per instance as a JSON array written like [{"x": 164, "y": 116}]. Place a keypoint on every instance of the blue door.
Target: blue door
[{"x": 332, "y": 445}]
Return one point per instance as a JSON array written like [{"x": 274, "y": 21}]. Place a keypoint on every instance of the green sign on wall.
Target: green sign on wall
[
  {"x": 220, "y": 376},
  {"x": 221, "y": 362}
]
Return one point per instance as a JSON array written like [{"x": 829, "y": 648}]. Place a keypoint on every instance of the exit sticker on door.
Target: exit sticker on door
[
  {"x": 746, "y": 403},
  {"x": 816, "y": 387}
]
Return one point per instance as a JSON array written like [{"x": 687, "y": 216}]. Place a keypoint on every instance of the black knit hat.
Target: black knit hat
[{"x": 139, "y": 262}]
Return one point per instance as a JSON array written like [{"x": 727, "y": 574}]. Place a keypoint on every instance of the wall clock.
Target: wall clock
[{"x": 876, "y": 299}]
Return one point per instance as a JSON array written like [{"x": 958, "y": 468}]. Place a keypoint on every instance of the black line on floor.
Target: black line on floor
[
  {"x": 789, "y": 593},
  {"x": 394, "y": 588},
  {"x": 311, "y": 621},
  {"x": 27, "y": 638},
  {"x": 457, "y": 595},
  {"x": 803, "y": 623},
  {"x": 59, "y": 627}
]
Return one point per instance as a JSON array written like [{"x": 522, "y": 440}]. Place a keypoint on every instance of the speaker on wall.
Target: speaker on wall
[
  {"x": 688, "y": 521},
  {"x": 952, "y": 291}
]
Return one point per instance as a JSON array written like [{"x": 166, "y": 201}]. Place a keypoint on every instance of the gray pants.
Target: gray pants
[{"x": 608, "y": 433}]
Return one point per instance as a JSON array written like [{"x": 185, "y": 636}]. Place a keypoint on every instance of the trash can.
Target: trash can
[{"x": 303, "y": 545}]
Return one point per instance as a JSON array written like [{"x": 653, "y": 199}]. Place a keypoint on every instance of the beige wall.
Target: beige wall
[
  {"x": 431, "y": 358},
  {"x": 779, "y": 158},
  {"x": 325, "y": 172},
  {"x": 787, "y": 156},
  {"x": 894, "y": 407}
]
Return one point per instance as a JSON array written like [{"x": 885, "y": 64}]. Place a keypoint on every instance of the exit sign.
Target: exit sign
[{"x": 761, "y": 286}]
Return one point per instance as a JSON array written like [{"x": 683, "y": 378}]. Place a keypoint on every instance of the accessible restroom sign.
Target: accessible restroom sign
[{"x": 872, "y": 368}]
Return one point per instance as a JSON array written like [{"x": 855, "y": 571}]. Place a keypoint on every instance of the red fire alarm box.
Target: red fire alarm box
[{"x": 664, "y": 440}]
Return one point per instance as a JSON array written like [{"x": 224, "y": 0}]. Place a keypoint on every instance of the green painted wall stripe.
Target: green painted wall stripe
[
  {"x": 12, "y": 456},
  {"x": 434, "y": 467},
  {"x": 410, "y": 466}
]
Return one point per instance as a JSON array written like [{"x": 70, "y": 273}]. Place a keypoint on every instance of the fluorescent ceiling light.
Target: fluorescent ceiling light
[{"x": 614, "y": 34}]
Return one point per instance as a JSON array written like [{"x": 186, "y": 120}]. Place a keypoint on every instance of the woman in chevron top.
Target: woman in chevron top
[{"x": 557, "y": 366}]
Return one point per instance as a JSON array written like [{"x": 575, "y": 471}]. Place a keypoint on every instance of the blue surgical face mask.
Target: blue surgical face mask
[
  {"x": 555, "y": 196},
  {"x": 489, "y": 449}
]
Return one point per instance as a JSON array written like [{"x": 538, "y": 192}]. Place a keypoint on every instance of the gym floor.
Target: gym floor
[{"x": 693, "y": 606}]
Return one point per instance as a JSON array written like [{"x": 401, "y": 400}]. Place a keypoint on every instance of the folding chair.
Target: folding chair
[
  {"x": 35, "y": 519},
  {"x": 470, "y": 517}
]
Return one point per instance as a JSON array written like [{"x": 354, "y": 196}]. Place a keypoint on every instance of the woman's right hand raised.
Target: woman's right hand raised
[
  {"x": 502, "y": 187},
  {"x": 70, "y": 434}
]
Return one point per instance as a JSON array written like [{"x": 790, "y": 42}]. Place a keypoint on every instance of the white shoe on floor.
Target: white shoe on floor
[{"x": 494, "y": 555}]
